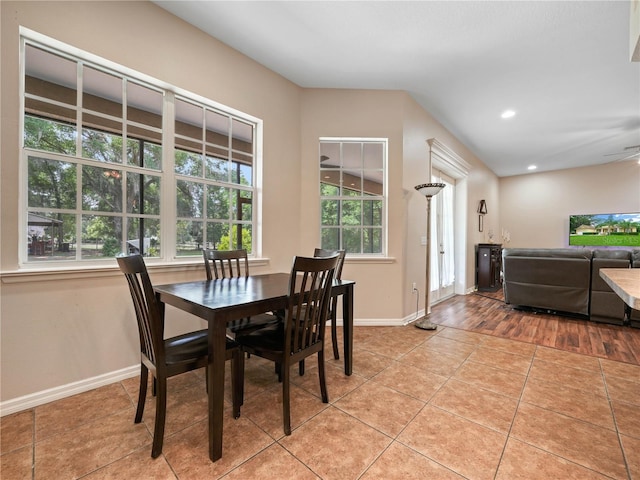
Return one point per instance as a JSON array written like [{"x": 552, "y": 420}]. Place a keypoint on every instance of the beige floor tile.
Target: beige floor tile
[
  {"x": 591, "y": 446},
  {"x": 461, "y": 335},
  {"x": 590, "y": 381},
  {"x": 568, "y": 359},
  {"x": 502, "y": 359},
  {"x": 137, "y": 465},
  {"x": 432, "y": 360},
  {"x": 338, "y": 384},
  {"x": 93, "y": 445},
  {"x": 511, "y": 346},
  {"x": 413, "y": 381},
  {"x": 525, "y": 462},
  {"x": 450, "y": 346},
  {"x": 620, "y": 369},
  {"x": 401, "y": 463},
  {"x": 274, "y": 462},
  {"x": 16, "y": 431},
  {"x": 71, "y": 412},
  {"x": 368, "y": 364},
  {"x": 465, "y": 447},
  {"x": 390, "y": 412},
  {"x": 494, "y": 379},
  {"x": 394, "y": 342},
  {"x": 265, "y": 410},
  {"x": 332, "y": 456},
  {"x": 627, "y": 418},
  {"x": 572, "y": 402},
  {"x": 188, "y": 450},
  {"x": 476, "y": 404},
  {"x": 632, "y": 454},
  {"x": 16, "y": 464},
  {"x": 623, "y": 390}
]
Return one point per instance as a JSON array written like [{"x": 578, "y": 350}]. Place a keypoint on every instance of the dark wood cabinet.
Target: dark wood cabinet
[{"x": 488, "y": 266}]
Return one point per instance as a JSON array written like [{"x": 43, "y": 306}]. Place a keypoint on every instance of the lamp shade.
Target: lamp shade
[{"x": 429, "y": 189}]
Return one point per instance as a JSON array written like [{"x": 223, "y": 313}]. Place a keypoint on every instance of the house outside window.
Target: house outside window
[
  {"x": 353, "y": 194},
  {"x": 102, "y": 164}
]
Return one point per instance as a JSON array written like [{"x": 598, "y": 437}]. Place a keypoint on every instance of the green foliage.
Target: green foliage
[{"x": 110, "y": 247}]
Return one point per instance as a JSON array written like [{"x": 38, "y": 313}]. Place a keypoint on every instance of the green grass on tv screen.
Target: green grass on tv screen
[{"x": 605, "y": 240}]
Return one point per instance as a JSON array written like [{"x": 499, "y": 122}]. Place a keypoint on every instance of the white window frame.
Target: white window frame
[
  {"x": 167, "y": 173},
  {"x": 383, "y": 198}
]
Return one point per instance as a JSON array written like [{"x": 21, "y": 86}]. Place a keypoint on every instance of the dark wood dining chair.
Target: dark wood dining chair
[
  {"x": 172, "y": 356},
  {"x": 235, "y": 264},
  {"x": 321, "y": 252},
  {"x": 301, "y": 334}
]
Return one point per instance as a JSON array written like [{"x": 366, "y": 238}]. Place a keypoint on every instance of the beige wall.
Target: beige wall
[
  {"x": 60, "y": 328},
  {"x": 535, "y": 208}
]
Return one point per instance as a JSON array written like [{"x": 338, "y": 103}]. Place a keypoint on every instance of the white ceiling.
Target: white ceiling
[{"x": 562, "y": 66}]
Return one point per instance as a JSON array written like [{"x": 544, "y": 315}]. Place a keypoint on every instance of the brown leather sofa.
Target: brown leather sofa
[{"x": 566, "y": 281}]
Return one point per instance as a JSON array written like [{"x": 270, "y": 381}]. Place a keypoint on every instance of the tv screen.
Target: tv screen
[{"x": 605, "y": 230}]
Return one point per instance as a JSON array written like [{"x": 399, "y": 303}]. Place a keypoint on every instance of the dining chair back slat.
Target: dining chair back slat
[{"x": 321, "y": 252}]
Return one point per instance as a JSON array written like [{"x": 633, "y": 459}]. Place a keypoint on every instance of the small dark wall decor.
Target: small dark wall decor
[{"x": 482, "y": 210}]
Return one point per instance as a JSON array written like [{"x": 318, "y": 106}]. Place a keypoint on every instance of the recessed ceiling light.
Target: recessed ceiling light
[
  {"x": 508, "y": 114},
  {"x": 531, "y": 167}
]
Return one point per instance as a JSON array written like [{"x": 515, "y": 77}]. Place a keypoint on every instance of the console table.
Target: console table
[{"x": 488, "y": 266}]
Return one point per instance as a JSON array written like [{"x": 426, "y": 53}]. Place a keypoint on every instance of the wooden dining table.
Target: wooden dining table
[{"x": 223, "y": 300}]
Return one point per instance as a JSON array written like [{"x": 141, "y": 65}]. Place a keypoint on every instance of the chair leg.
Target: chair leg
[
  {"x": 286, "y": 404},
  {"x": 161, "y": 411},
  {"x": 142, "y": 393},
  {"x": 323, "y": 381},
  {"x": 237, "y": 381},
  {"x": 334, "y": 335},
  {"x": 154, "y": 387},
  {"x": 301, "y": 367}
]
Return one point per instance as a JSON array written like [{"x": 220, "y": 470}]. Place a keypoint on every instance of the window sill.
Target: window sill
[{"x": 40, "y": 274}]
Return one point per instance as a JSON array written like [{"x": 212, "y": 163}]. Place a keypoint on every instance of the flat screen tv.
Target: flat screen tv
[{"x": 605, "y": 230}]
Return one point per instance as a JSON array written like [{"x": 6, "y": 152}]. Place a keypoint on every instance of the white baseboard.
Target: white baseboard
[{"x": 40, "y": 398}]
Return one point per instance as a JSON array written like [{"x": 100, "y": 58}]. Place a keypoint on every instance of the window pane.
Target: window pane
[
  {"x": 330, "y": 186},
  {"x": 188, "y": 163},
  {"x": 217, "y": 132},
  {"x": 188, "y": 238},
  {"x": 190, "y": 199},
  {"x": 217, "y": 168},
  {"x": 242, "y": 136},
  {"x": 330, "y": 238},
  {"x": 48, "y": 135},
  {"x": 329, "y": 155},
  {"x": 102, "y": 92},
  {"x": 246, "y": 205},
  {"x": 329, "y": 212},
  {"x": 218, "y": 202},
  {"x": 144, "y": 105},
  {"x": 188, "y": 123},
  {"x": 352, "y": 182},
  {"x": 351, "y": 212},
  {"x": 373, "y": 155},
  {"x": 101, "y": 236},
  {"x": 143, "y": 190},
  {"x": 351, "y": 240},
  {"x": 372, "y": 240},
  {"x": 51, "y": 236},
  {"x": 146, "y": 228},
  {"x": 50, "y": 76},
  {"x": 218, "y": 235},
  {"x": 352, "y": 155},
  {"x": 101, "y": 146},
  {"x": 372, "y": 212},
  {"x": 101, "y": 189},
  {"x": 52, "y": 183},
  {"x": 241, "y": 169},
  {"x": 144, "y": 154}
]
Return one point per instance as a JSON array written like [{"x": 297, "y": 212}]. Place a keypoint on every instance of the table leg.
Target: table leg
[
  {"x": 217, "y": 340},
  {"x": 347, "y": 329}
]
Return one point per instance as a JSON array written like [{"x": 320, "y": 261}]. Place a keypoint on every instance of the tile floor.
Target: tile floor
[{"x": 420, "y": 405}]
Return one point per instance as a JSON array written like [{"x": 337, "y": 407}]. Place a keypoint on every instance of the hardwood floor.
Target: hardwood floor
[{"x": 487, "y": 313}]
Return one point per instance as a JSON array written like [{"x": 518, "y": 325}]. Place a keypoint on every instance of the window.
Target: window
[
  {"x": 99, "y": 153},
  {"x": 352, "y": 194}
]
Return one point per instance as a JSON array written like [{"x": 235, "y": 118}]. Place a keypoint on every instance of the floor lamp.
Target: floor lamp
[{"x": 428, "y": 190}]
